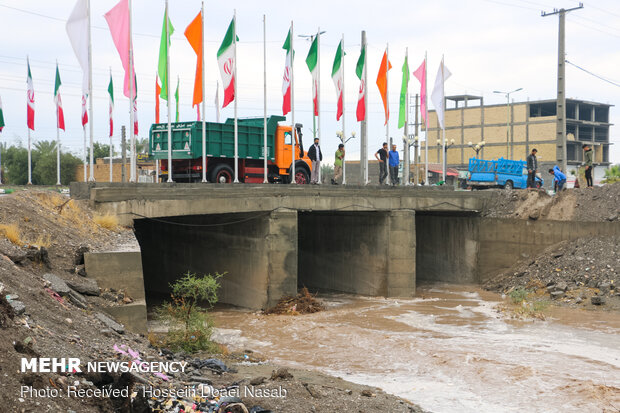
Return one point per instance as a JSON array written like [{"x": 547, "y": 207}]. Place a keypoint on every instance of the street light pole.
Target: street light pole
[{"x": 509, "y": 149}]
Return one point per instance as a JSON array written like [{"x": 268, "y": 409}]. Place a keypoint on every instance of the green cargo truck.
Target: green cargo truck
[{"x": 220, "y": 151}]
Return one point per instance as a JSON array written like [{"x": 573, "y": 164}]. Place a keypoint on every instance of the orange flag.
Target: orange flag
[
  {"x": 157, "y": 93},
  {"x": 382, "y": 83},
  {"x": 193, "y": 33}
]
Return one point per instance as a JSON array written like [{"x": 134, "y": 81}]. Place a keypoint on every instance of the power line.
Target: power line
[{"x": 594, "y": 74}]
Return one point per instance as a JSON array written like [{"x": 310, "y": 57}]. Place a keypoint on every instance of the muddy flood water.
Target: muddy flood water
[{"x": 448, "y": 350}]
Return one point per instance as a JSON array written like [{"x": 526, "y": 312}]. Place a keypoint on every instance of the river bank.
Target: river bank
[{"x": 49, "y": 309}]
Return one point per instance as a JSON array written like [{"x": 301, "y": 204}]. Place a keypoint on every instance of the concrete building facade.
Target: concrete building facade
[{"x": 512, "y": 134}]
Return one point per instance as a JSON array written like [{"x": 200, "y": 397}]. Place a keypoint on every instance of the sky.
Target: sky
[{"x": 487, "y": 44}]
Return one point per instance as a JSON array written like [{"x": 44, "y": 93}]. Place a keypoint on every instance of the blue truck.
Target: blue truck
[{"x": 501, "y": 173}]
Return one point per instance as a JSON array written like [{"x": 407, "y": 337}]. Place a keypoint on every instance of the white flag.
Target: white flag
[
  {"x": 438, "y": 95},
  {"x": 77, "y": 29},
  {"x": 217, "y": 102}
]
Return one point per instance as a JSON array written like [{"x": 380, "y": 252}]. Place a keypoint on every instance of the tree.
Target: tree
[
  {"x": 15, "y": 160},
  {"x": 100, "y": 150},
  {"x": 45, "y": 147}
]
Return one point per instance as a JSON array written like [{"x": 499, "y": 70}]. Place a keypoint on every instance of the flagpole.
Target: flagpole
[
  {"x": 426, "y": 117},
  {"x": 85, "y": 154},
  {"x": 407, "y": 154},
  {"x": 236, "y": 99},
  {"x": 318, "y": 95},
  {"x": 265, "y": 179},
  {"x": 29, "y": 138},
  {"x": 111, "y": 136},
  {"x": 132, "y": 174},
  {"x": 90, "y": 94},
  {"x": 167, "y": 17},
  {"x": 364, "y": 125},
  {"x": 57, "y": 149},
  {"x": 293, "y": 131},
  {"x": 344, "y": 134},
  {"x": 443, "y": 104},
  {"x": 57, "y": 134},
  {"x": 387, "y": 100},
  {"x": 204, "y": 97}
]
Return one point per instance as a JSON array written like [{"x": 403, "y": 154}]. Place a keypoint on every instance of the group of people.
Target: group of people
[
  {"x": 559, "y": 177},
  {"x": 316, "y": 156},
  {"x": 387, "y": 159}
]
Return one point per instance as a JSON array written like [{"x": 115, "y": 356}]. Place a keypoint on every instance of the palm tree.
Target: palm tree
[{"x": 45, "y": 147}]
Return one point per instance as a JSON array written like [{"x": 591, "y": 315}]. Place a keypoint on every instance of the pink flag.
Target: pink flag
[
  {"x": 118, "y": 21},
  {"x": 420, "y": 74}
]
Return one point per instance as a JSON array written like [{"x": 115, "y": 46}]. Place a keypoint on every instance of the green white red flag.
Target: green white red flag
[
  {"x": 111, "y": 95},
  {"x": 30, "y": 114},
  {"x": 338, "y": 78},
  {"x": 60, "y": 115},
  {"x": 312, "y": 60},
  {"x": 227, "y": 64},
  {"x": 360, "y": 71},
  {"x": 286, "y": 78}
]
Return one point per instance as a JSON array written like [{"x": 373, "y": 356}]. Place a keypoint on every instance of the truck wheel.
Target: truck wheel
[
  {"x": 301, "y": 177},
  {"x": 222, "y": 174},
  {"x": 509, "y": 185}
]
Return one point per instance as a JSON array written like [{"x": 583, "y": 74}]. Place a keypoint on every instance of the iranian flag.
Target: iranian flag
[
  {"x": 286, "y": 79},
  {"x": 227, "y": 64},
  {"x": 60, "y": 123},
  {"x": 360, "y": 70},
  {"x": 311, "y": 61},
  {"x": 84, "y": 111},
  {"x": 338, "y": 78},
  {"x": 111, "y": 95},
  {"x": 30, "y": 117},
  {"x": 1, "y": 116}
]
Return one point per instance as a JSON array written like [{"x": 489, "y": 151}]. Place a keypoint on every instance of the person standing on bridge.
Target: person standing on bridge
[
  {"x": 382, "y": 156},
  {"x": 338, "y": 164},
  {"x": 315, "y": 155},
  {"x": 394, "y": 163},
  {"x": 532, "y": 167}
]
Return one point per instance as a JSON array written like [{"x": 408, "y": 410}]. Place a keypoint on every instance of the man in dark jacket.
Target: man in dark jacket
[
  {"x": 587, "y": 160},
  {"x": 532, "y": 167},
  {"x": 315, "y": 155},
  {"x": 382, "y": 156}
]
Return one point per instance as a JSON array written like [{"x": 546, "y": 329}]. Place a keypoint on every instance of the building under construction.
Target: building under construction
[{"x": 512, "y": 131}]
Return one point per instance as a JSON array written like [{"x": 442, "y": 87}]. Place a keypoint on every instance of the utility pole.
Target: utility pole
[
  {"x": 561, "y": 100},
  {"x": 123, "y": 153}
]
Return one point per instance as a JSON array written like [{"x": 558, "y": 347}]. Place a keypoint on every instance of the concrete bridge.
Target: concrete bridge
[{"x": 270, "y": 239}]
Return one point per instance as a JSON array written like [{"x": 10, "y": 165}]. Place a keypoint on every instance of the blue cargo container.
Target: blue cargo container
[{"x": 502, "y": 173}]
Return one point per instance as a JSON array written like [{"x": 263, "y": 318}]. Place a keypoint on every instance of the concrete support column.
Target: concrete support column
[
  {"x": 281, "y": 252},
  {"x": 401, "y": 268}
]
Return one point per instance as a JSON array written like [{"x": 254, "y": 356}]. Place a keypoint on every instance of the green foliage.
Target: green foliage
[
  {"x": 15, "y": 165},
  {"x": 612, "y": 174},
  {"x": 190, "y": 324},
  {"x": 518, "y": 295},
  {"x": 100, "y": 150}
]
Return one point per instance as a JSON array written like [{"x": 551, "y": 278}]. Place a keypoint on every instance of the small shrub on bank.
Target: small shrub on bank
[
  {"x": 190, "y": 325},
  {"x": 12, "y": 233},
  {"x": 518, "y": 295},
  {"x": 106, "y": 221}
]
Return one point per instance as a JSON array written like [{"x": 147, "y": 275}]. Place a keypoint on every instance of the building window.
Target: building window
[
  {"x": 601, "y": 114},
  {"x": 585, "y": 112},
  {"x": 538, "y": 110}
]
